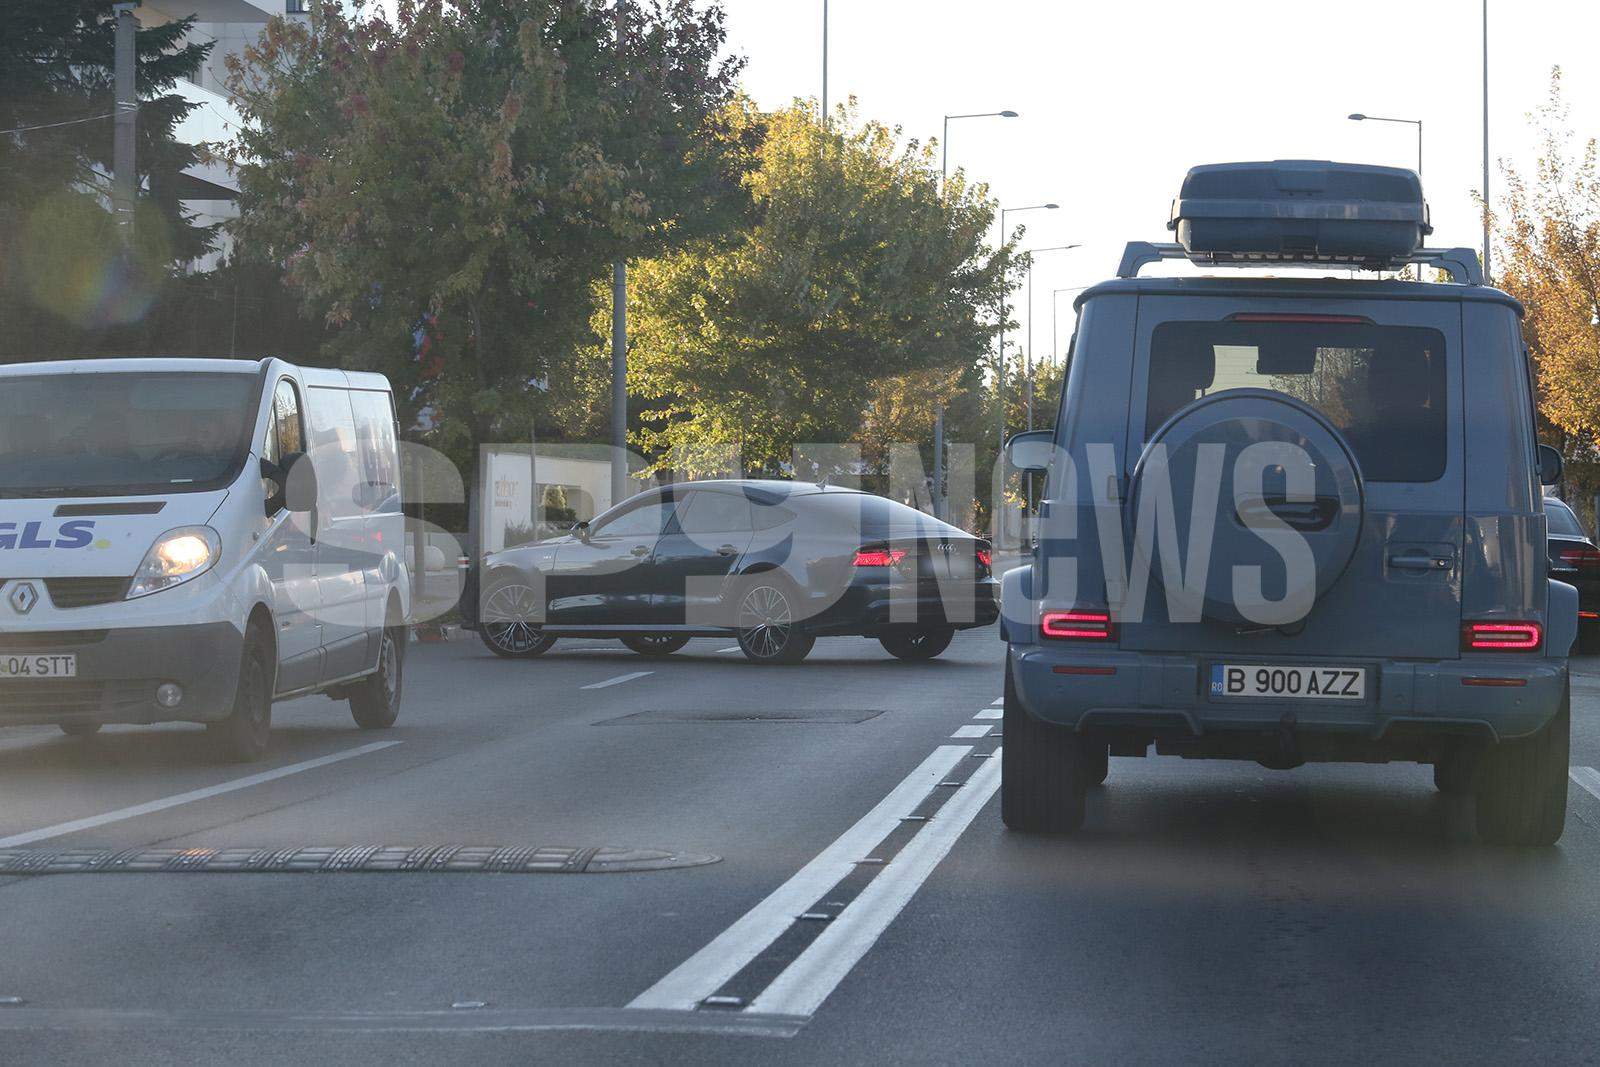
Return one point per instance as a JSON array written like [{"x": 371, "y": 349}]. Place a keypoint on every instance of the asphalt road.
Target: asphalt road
[{"x": 1209, "y": 911}]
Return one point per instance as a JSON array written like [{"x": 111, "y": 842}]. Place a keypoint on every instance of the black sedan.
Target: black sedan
[
  {"x": 774, "y": 564},
  {"x": 1574, "y": 559}
]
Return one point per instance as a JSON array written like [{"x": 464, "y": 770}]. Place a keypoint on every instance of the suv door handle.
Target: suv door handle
[
  {"x": 727, "y": 550},
  {"x": 1416, "y": 561},
  {"x": 640, "y": 550}
]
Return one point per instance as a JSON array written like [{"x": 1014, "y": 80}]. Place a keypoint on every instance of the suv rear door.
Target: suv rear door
[{"x": 1387, "y": 375}]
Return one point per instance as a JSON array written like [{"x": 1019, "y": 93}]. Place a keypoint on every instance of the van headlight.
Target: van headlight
[{"x": 176, "y": 557}]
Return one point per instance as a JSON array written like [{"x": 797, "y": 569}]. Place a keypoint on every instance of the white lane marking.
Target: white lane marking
[
  {"x": 802, "y": 986},
  {"x": 703, "y": 974},
  {"x": 188, "y": 798},
  {"x": 618, "y": 680},
  {"x": 972, "y": 731},
  {"x": 1587, "y": 777},
  {"x": 989, "y": 713},
  {"x": 997, "y": 702}
]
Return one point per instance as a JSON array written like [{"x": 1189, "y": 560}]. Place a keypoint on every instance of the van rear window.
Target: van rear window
[{"x": 1382, "y": 387}]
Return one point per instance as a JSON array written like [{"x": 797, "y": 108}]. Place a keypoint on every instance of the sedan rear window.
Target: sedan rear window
[
  {"x": 1563, "y": 523},
  {"x": 1382, "y": 387}
]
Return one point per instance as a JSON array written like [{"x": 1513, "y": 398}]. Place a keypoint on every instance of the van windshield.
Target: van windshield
[
  {"x": 1382, "y": 387},
  {"x": 123, "y": 433}
]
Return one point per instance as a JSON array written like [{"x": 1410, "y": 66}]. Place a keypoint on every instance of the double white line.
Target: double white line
[{"x": 802, "y": 986}]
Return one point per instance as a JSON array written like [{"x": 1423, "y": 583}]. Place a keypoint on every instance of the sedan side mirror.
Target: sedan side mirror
[
  {"x": 1550, "y": 465},
  {"x": 1032, "y": 451},
  {"x": 580, "y": 530}
]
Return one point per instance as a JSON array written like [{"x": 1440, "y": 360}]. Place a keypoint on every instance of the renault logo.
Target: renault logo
[{"x": 23, "y": 597}]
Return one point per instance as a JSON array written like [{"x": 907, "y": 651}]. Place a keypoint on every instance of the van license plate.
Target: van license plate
[
  {"x": 39, "y": 665},
  {"x": 1277, "y": 682}
]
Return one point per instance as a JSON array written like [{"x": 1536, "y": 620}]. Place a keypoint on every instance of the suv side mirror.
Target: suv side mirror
[
  {"x": 1032, "y": 451},
  {"x": 1550, "y": 465},
  {"x": 299, "y": 483}
]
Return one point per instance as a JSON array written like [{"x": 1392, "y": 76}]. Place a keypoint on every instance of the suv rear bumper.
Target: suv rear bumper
[
  {"x": 1165, "y": 693},
  {"x": 119, "y": 670}
]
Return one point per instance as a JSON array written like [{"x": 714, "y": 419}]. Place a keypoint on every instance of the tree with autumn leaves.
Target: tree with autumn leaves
[{"x": 1549, "y": 232}]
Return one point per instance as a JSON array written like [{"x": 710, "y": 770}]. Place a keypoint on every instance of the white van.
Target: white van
[{"x": 192, "y": 539}]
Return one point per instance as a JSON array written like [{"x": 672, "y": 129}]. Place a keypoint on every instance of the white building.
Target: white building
[{"x": 231, "y": 26}]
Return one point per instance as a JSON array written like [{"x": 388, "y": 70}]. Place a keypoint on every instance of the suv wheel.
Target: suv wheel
[
  {"x": 1044, "y": 771},
  {"x": 505, "y": 624},
  {"x": 655, "y": 644},
  {"x": 242, "y": 736},
  {"x": 1522, "y": 786},
  {"x": 375, "y": 700},
  {"x": 917, "y": 644},
  {"x": 768, "y": 623}
]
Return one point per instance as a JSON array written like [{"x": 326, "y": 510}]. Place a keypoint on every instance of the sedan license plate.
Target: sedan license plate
[
  {"x": 38, "y": 665},
  {"x": 1279, "y": 682}
]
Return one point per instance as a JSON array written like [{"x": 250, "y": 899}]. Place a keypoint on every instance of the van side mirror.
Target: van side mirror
[
  {"x": 299, "y": 483},
  {"x": 1550, "y": 465},
  {"x": 1031, "y": 451}
]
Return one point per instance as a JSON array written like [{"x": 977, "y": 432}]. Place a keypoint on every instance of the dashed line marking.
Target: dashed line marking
[
  {"x": 190, "y": 797},
  {"x": 997, "y": 702},
  {"x": 973, "y": 730},
  {"x": 619, "y": 679},
  {"x": 989, "y": 713},
  {"x": 1588, "y": 778}
]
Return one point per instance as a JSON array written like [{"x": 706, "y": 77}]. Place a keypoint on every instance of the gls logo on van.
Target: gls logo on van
[{"x": 76, "y": 534}]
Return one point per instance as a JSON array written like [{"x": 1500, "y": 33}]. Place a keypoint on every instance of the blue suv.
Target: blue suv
[{"x": 1293, "y": 520}]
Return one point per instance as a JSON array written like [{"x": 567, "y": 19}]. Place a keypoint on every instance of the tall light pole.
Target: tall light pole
[
  {"x": 824, "y": 62},
  {"x": 1000, "y": 364},
  {"x": 124, "y": 179},
  {"x": 619, "y": 380},
  {"x": 1486, "y": 141},
  {"x": 1358, "y": 117},
  {"x": 940, "y": 505}
]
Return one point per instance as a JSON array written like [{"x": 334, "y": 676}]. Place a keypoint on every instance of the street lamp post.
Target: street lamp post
[
  {"x": 1000, "y": 364},
  {"x": 1358, "y": 117},
  {"x": 940, "y": 504}
]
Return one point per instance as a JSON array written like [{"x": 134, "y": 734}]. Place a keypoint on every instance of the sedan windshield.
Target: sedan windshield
[{"x": 122, "y": 433}]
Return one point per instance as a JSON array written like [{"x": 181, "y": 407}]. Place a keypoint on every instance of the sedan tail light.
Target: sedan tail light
[
  {"x": 1502, "y": 636},
  {"x": 1581, "y": 559},
  {"x": 879, "y": 556},
  {"x": 986, "y": 557},
  {"x": 1079, "y": 624}
]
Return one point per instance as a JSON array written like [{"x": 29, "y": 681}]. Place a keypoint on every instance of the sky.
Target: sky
[{"x": 1118, "y": 99}]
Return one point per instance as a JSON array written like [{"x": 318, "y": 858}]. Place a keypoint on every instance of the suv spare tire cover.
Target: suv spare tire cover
[{"x": 1302, "y": 451}]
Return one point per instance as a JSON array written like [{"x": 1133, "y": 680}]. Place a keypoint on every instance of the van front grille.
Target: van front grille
[{"x": 86, "y": 592}]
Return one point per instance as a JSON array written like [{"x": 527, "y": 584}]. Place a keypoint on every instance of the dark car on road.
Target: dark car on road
[
  {"x": 774, "y": 564},
  {"x": 1575, "y": 559}
]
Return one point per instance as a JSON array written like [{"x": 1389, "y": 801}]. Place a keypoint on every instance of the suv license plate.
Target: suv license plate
[
  {"x": 39, "y": 665},
  {"x": 1278, "y": 682}
]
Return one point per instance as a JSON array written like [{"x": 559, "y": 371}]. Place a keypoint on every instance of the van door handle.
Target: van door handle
[
  {"x": 640, "y": 550},
  {"x": 727, "y": 550}
]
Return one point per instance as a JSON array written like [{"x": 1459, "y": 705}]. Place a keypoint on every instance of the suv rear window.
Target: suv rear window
[{"x": 1382, "y": 387}]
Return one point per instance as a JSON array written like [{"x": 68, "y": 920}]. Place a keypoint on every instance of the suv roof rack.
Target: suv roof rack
[{"x": 1460, "y": 263}]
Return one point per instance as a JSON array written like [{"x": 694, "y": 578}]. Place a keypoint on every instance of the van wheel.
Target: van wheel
[
  {"x": 242, "y": 736},
  {"x": 655, "y": 644},
  {"x": 1522, "y": 787},
  {"x": 769, "y": 623},
  {"x": 79, "y": 729},
  {"x": 915, "y": 645},
  {"x": 1044, "y": 771},
  {"x": 375, "y": 700}
]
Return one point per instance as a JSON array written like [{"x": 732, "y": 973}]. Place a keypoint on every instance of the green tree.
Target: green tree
[
  {"x": 57, "y": 237},
  {"x": 483, "y": 161},
  {"x": 857, "y": 271}
]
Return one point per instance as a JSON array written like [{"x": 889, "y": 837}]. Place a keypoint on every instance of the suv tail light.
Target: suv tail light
[
  {"x": 1079, "y": 624},
  {"x": 1581, "y": 559},
  {"x": 1502, "y": 637},
  {"x": 879, "y": 556}
]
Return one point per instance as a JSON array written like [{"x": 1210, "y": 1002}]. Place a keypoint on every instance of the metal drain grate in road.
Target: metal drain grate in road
[{"x": 347, "y": 859}]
